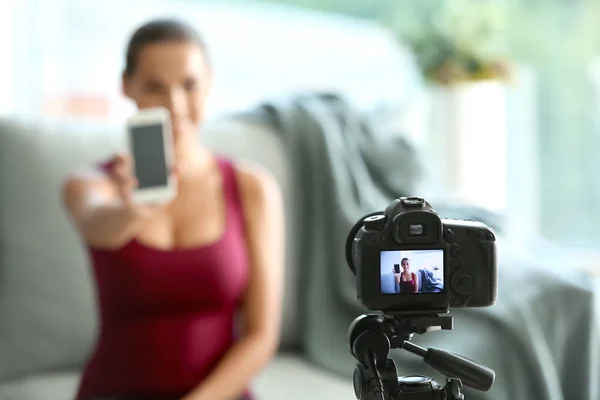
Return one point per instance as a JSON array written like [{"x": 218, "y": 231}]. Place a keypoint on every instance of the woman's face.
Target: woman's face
[
  {"x": 174, "y": 75},
  {"x": 405, "y": 265}
]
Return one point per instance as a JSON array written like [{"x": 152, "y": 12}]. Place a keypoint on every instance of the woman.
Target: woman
[
  {"x": 408, "y": 281},
  {"x": 172, "y": 278}
]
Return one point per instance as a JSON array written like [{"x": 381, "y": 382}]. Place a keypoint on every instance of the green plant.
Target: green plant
[{"x": 458, "y": 40}]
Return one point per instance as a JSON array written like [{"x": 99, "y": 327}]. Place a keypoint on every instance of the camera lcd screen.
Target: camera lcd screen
[
  {"x": 149, "y": 155},
  {"x": 421, "y": 271}
]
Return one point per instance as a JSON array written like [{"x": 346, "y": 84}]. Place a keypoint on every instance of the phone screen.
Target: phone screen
[
  {"x": 397, "y": 268},
  {"x": 148, "y": 150}
]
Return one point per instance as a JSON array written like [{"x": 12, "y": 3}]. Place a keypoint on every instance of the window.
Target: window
[
  {"x": 553, "y": 186},
  {"x": 7, "y": 49},
  {"x": 66, "y": 58}
]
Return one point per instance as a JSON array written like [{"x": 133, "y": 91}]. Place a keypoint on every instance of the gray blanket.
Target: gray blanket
[{"x": 542, "y": 337}]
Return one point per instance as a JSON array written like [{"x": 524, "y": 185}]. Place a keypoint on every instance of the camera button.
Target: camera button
[
  {"x": 456, "y": 251},
  {"x": 465, "y": 282},
  {"x": 383, "y": 237},
  {"x": 449, "y": 236},
  {"x": 480, "y": 234}
]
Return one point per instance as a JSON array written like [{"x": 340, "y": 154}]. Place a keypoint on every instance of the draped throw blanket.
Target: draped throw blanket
[{"x": 541, "y": 338}]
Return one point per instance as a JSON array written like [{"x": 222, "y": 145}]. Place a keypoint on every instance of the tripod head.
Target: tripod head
[{"x": 372, "y": 336}]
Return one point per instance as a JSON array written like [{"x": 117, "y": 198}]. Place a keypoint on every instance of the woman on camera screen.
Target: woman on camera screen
[{"x": 407, "y": 281}]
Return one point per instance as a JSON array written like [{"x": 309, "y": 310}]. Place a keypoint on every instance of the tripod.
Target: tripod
[{"x": 372, "y": 336}]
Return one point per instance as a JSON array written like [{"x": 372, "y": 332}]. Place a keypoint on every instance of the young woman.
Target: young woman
[
  {"x": 407, "y": 280},
  {"x": 173, "y": 279}
]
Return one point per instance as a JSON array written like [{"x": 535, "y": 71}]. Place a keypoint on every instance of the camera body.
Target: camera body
[{"x": 445, "y": 263}]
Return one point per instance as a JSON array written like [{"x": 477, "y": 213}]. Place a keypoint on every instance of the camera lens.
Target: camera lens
[{"x": 415, "y": 229}]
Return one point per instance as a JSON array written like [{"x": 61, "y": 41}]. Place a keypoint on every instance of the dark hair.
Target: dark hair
[
  {"x": 405, "y": 258},
  {"x": 160, "y": 30}
]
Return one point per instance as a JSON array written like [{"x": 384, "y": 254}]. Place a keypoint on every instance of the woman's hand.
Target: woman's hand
[
  {"x": 103, "y": 206},
  {"x": 121, "y": 175}
]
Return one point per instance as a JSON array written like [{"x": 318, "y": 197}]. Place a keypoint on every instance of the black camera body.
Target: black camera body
[{"x": 445, "y": 263}]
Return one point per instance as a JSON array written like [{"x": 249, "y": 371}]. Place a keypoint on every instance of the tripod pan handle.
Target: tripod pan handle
[{"x": 453, "y": 365}]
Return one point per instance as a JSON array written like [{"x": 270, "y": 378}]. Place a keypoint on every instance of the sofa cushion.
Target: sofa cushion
[
  {"x": 47, "y": 386},
  {"x": 46, "y": 295},
  {"x": 47, "y": 303}
]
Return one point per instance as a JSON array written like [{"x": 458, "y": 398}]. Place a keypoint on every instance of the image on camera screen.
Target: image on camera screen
[{"x": 412, "y": 271}]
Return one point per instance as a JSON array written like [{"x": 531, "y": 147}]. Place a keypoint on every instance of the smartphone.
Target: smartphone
[
  {"x": 397, "y": 268},
  {"x": 150, "y": 141}
]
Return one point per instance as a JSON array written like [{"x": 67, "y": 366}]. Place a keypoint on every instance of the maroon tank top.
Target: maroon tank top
[
  {"x": 167, "y": 317},
  {"x": 408, "y": 286}
]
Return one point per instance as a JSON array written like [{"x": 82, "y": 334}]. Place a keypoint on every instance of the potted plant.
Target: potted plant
[
  {"x": 459, "y": 47},
  {"x": 458, "y": 41}
]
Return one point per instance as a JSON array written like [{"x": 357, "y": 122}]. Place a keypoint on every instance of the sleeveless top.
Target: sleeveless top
[
  {"x": 167, "y": 317},
  {"x": 408, "y": 286}
]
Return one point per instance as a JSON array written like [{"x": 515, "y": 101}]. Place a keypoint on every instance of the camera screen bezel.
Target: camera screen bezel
[{"x": 414, "y": 302}]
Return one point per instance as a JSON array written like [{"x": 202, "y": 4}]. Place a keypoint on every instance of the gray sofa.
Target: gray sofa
[{"x": 47, "y": 307}]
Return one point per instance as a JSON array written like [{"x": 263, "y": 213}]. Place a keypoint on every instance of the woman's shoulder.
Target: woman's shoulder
[
  {"x": 95, "y": 169},
  {"x": 83, "y": 178},
  {"x": 257, "y": 187},
  {"x": 254, "y": 180}
]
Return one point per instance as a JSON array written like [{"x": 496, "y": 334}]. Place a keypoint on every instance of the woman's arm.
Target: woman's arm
[
  {"x": 416, "y": 278},
  {"x": 101, "y": 204},
  {"x": 263, "y": 207},
  {"x": 94, "y": 205}
]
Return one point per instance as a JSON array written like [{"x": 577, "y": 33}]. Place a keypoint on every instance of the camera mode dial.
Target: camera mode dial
[{"x": 375, "y": 222}]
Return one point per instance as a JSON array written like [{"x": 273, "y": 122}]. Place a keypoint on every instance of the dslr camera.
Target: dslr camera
[{"x": 408, "y": 260}]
